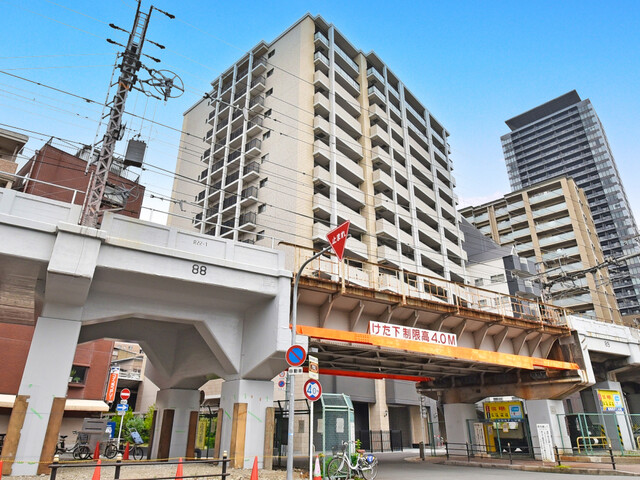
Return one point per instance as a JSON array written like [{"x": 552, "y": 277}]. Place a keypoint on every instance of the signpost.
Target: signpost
[
  {"x": 338, "y": 238},
  {"x": 312, "y": 390},
  {"x": 296, "y": 355}
]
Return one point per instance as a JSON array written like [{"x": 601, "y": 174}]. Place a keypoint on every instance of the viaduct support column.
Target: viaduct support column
[
  {"x": 244, "y": 404},
  {"x": 550, "y": 412},
  {"x": 611, "y": 416},
  {"x": 455, "y": 420},
  {"x": 36, "y": 417},
  {"x": 176, "y": 423}
]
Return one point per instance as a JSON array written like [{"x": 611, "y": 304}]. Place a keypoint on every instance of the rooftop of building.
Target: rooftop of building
[
  {"x": 11, "y": 141},
  {"x": 544, "y": 110}
]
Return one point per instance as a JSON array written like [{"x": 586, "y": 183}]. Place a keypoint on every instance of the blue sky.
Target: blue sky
[{"x": 473, "y": 64}]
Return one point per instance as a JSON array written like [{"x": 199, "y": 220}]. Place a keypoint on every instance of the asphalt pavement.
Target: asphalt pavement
[{"x": 394, "y": 466}]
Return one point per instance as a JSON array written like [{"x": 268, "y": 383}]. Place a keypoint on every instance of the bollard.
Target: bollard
[
  {"x": 224, "y": 465},
  {"x": 510, "y": 457},
  {"x": 118, "y": 465},
  {"x": 446, "y": 447},
  {"x": 557, "y": 456},
  {"x": 422, "y": 451},
  {"x": 613, "y": 460},
  {"x": 54, "y": 467}
]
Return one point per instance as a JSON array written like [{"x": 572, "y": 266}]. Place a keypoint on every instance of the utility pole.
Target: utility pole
[{"x": 129, "y": 69}]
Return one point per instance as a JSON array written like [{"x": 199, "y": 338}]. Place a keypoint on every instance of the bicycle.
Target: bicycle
[
  {"x": 80, "y": 449},
  {"x": 340, "y": 466},
  {"x": 111, "y": 450}
]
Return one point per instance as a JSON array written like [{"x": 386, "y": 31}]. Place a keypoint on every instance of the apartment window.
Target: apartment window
[
  {"x": 268, "y": 92},
  {"x": 78, "y": 374},
  {"x": 259, "y": 235},
  {"x": 266, "y": 135},
  {"x": 479, "y": 282},
  {"x": 264, "y": 158},
  {"x": 263, "y": 182},
  {"x": 497, "y": 278},
  {"x": 262, "y": 208},
  {"x": 269, "y": 73},
  {"x": 271, "y": 53},
  {"x": 267, "y": 113}
]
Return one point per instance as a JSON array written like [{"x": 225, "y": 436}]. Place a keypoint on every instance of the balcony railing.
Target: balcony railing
[
  {"x": 321, "y": 38},
  {"x": 229, "y": 201},
  {"x": 249, "y": 192},
  {"x": 249, "y": 217},
  {"x": 251, "y": 167},
  {"x": 346, "y": 58},
  {"x": 233, "y": 177},
  {"x": 259, "y": 100},
  {"x": 375, "y": 74}
]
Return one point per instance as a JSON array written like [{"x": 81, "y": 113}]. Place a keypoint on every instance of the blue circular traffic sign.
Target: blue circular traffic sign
[
  {"x": 312, "y": 389},
  {"x": 296, "y": 355},
  {"x": 281, "y": 383}
]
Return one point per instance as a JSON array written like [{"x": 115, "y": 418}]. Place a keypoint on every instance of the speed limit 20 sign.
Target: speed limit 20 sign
[{"x": 312, "y": 389}]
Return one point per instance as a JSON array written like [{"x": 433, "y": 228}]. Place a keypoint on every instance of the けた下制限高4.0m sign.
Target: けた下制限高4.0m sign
[{"x": 410, "y": 333}]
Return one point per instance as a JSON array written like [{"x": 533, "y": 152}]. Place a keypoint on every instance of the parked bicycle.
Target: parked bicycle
[
  {"x": 340, "y": 466},
  {"x": 80, "y": 449},
  {"x": 112, "y": 449}
]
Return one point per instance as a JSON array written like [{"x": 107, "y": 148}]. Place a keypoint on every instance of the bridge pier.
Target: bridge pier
[
  {"x": 176, "y": 423},
  {"x": 36, "y": 418},
  {"x": 244, "y": 404},
  {"x": 455, "y": 421},
  {"x": 547, "y": 411}
]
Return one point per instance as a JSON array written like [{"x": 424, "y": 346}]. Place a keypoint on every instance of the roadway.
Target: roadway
[{"x": 393, "y": 466}]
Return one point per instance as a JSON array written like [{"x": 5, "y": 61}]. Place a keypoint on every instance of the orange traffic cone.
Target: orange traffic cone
[
  {"x": 254, "y": 471},
  {"x": 316, "y": 471},
  {"x": 179, "y": 474},
  {"x": 125, "y": 455},
  {"x": 96, "y": 452},
  {"x": 96, "y": 472}
]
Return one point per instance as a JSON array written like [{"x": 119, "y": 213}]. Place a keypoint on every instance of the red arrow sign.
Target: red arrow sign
[{"x": 338, "y": 238}]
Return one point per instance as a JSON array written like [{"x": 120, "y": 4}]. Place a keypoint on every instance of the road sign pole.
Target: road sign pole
[
  {"x": 311, "y": 442},
  {"x": 292, "y": 380}
]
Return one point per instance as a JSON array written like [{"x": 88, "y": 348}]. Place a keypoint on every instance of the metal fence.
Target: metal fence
[{"x": 594, "y": 433}]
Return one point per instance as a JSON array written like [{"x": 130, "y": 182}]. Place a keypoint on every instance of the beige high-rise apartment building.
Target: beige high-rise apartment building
[
  {"x": 306, "y": 132},
  {"x": 551, "y": 223}
]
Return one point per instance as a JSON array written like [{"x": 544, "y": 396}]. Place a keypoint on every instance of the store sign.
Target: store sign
[
  {"x": 504, "y": 411},
  {"x": 611, "y": 401},
  {"x": 408, "y": 333},
  {"x": 112, "y": 384}
]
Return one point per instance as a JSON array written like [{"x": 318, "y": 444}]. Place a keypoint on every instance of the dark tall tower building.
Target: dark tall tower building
[{"x": 565, "y": 137}]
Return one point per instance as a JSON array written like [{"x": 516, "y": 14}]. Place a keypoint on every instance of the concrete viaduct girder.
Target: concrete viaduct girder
[{"x": 200, "y": 306}]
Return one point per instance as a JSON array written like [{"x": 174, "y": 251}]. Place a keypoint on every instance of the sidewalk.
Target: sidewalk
[{"x": 584, "y": 468}]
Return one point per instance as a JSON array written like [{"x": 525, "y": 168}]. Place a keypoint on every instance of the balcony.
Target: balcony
[
  {"x": 394, "y": 110},
  {"x": 258, "y": 85},
  {"x": 379, "y": 135},
  {"x": 376, "y": 96},
  {"x": 348, "y": 194},
  {"x": 383, "y": 203},
  {"x": 321, "y": 80},
  {"x": 351, "y": 171},
  {"x": 231, "y": 181},
  {"x": 233, "y": 156},
  {"x": 388, "y": 256},
  {"x": 377, "y": 115},
  {"x": 235, "y": 139},
  {"x": 561, "y": 253},
  {"x": 321, "y": 153},
  {"x": 321, "y": 126},
  {"x": 543, "y": 212},
  {"x": 348, "y": 146},
  {"x": 249, "y": 196},
  {"x": 229, "y": 202},
  {"x": 353, "y": 66},
  {"x": 379, "y": 157},
  {"x": 358, "y": 222},
  {"x": 319, "y": 232},
  {"x": 256, "y": 105},
  {"x": 320, "y": 61},
  {"x": 247, "y": 221},
  {"x": 321, "y": 104},
  {"x": 356, "y": 249},
  {"x": 254, "y": 126},
  {"x": 226, "y": 228},
  {"x": 259, "y": 65},
  {"x": 346, "y": 100},
  {"x": 382, "y": 181},
  {"x": 320, "y": 39},
  {"x": 347, "y": 82},
  {"x": 346, "y": 122},
  {"x": 559, "y": 238},
  {"x": 251, "y": 171},
  {"x": 385, "y": 229},
  {"x": 373, "y": 74},
  {"x": 321, "y": 204},
  {"x": 252, "y": 148},
  {"x": 240, "y": 96},
  {"x": 418, "y": 118}
]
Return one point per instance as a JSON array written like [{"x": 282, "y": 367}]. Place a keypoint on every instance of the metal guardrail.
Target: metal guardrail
[{"x": 119, "y": 464}]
